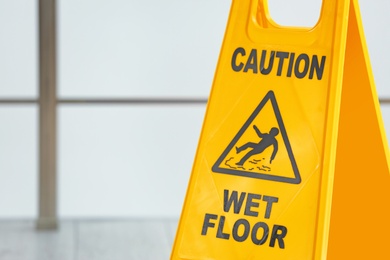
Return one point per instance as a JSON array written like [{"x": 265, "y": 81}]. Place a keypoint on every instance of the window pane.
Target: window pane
[
  {"x": 18, "y": 161},
  {"x": 302, "y": 13},
  {"x": 18, "y": 49},
  {"x": 386, "y": 119},
  {"x": 139, "y": 48},
  {"x": 126, "y": 160},
  {"x": 376, "y": 22}
]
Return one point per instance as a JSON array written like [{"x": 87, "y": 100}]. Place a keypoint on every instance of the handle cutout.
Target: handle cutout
[{"x": 295, "y": 13}]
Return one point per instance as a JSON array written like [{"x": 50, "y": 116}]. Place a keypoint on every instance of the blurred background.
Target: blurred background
[{"x": 133, "y": 79}]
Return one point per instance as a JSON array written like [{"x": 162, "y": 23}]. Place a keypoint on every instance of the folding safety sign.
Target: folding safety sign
[{"x": 292, "y": 161}]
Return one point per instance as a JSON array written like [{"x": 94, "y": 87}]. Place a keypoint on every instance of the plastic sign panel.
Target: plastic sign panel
[{"x": 292, "y": 161}]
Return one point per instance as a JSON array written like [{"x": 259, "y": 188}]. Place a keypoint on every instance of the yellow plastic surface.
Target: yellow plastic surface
[
  {"x": 360, "y": 219},
  {"x": 262, "y": 180}
]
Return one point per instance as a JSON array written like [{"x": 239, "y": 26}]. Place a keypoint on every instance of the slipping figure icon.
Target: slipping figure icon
[{"x": 267, "y": 139}]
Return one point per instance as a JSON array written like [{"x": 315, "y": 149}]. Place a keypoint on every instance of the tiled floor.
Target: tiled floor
[{"x": 88, "y": 240}]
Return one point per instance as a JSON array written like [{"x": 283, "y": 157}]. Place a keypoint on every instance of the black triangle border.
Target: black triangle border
[{"x": 297, "y": 178}]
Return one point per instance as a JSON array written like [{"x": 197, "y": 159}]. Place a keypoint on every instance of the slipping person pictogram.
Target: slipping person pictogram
[
  {"x": 267, "y": 139},
  {"x": 252, "y": 153}
]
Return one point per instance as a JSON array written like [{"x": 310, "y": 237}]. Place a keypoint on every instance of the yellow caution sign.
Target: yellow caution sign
[{"x": 292, "y": 162}]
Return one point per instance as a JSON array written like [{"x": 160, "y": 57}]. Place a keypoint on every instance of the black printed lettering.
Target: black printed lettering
[
  {"x": 233, "y": 199},
  {"x": 238, "y": 67},
  {"x": 288, "y": 64}
]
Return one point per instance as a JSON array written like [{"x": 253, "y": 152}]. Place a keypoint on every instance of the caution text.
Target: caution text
[{"x": 281, "y": 63}]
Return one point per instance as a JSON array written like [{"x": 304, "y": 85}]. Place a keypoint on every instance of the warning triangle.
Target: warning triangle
[{"x": 261, "y": 149}]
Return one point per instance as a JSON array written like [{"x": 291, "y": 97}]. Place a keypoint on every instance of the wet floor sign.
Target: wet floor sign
[{"x": 292, "y": 161}]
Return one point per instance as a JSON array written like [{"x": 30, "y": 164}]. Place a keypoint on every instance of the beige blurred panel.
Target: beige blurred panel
[{"x": 47, "y": 116}]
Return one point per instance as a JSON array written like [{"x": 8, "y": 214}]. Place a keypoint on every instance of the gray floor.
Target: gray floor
[{"x": 88, "y": 240}]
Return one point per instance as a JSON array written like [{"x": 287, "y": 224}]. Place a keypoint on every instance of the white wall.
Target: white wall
[
  {"x": 18, "y": 123},
  {"x": 133, "y": 160},
  {"x": 128, "y": 160},
  {"x": 18, "y": 48},
  {"x": 18, "y": 161}
]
